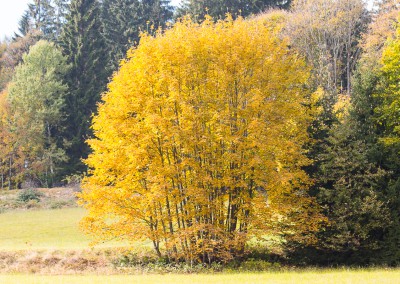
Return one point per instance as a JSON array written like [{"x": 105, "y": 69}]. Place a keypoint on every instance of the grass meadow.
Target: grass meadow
[
  {"x": 298, "y": 277},
  {"x": 30, "y": 238},
  {"x": 42, "y": 229},
  {"x": 50, "y": 229}
]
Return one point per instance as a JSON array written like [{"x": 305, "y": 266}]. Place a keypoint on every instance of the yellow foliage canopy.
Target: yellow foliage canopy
[
  {"x": 199, "y": 142},
  {"x": 390, "y": 94}
]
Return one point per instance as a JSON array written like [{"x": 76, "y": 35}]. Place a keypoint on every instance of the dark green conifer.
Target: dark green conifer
[
  {"x": 218, "y": 9},
  {"x": 123, "y": 21},
  {"x": 24, "y": 24},
  {"x": 83, "y": 44}
]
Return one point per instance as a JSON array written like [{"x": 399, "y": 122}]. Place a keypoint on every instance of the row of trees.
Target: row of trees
[
  {"x": 182, "y": 193},
  {"x": 214, "y": 132},
  {"x": 91, "y": 38},
  {"x": 94, "y": 37},
  {"x": 355, "y": 159}
]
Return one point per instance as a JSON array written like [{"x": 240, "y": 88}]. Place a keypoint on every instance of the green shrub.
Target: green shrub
[
  {"x": 29, "y": 194},
  {"x": 59, "y": 204},
  {"x": 251, "y": 265},
  {"x": 149, "y": 262},
  {"x": 133, "y": 259}
]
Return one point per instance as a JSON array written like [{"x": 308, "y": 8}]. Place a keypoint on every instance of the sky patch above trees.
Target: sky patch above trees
[{"x": 11, "y": 12}]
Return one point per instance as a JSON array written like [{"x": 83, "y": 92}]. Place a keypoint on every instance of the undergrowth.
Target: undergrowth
[{"x": 150, "y": 263}]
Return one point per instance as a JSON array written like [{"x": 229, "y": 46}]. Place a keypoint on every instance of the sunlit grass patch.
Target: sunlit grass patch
[
  {"x": 44, "y": 229},
  {"x": 308, "y": 276}
]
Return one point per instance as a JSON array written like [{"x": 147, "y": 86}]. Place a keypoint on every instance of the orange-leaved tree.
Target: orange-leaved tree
[
  {"x": 199, "y": 143},
  {"x": 11, "y": 156}
]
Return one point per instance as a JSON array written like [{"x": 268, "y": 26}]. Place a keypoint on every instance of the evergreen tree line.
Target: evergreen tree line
[{"x": 54, "y": 70}]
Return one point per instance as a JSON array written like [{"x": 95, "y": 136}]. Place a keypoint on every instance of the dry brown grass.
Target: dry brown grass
[
  {"x": 58, "y": 262},
  {"x": 51, "y": 198}
]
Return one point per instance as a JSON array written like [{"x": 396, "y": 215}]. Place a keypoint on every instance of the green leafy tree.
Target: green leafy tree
[
  {"x": 12, "y": 55},
  {"x": 11, "y": 158},
  {"x": 37, "y": 96},
  {"x": 390, "y": 92}
]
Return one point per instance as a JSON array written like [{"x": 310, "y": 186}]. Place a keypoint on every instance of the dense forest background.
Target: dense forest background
[{"x": 56, "y": 67}]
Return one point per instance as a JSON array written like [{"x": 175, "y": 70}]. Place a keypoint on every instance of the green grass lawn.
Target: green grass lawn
[
  {"x": 309, "y": 277},
  {"x": 43, "y": 229},
  {"x": 59, "y": 229}
]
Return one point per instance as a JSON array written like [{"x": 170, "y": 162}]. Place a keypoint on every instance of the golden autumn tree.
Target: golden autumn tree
[
  {"x": 11, "y": 156},
  {"x": 5, "y": 144},
  {"x": 199, "y": 143}
]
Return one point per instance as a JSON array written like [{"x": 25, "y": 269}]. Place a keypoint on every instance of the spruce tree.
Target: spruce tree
[
  {"x": 46, "y": 16},
  {"x": 352, "y": 181},
  {"x": 218, "y": 9},
  {"x": 350, "y": 191},
  {"x": 357, "y": 176},
  {"x": 61, "y": 10},
  {"x": 387, "y": 117},
  {"x": 155, "y": 12},
  {"x": 123, "y": 21},
  {"x": 84, "y": 46},
  {"x": 24, "y": 25},
  {"x": 42, "y": 13}
]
